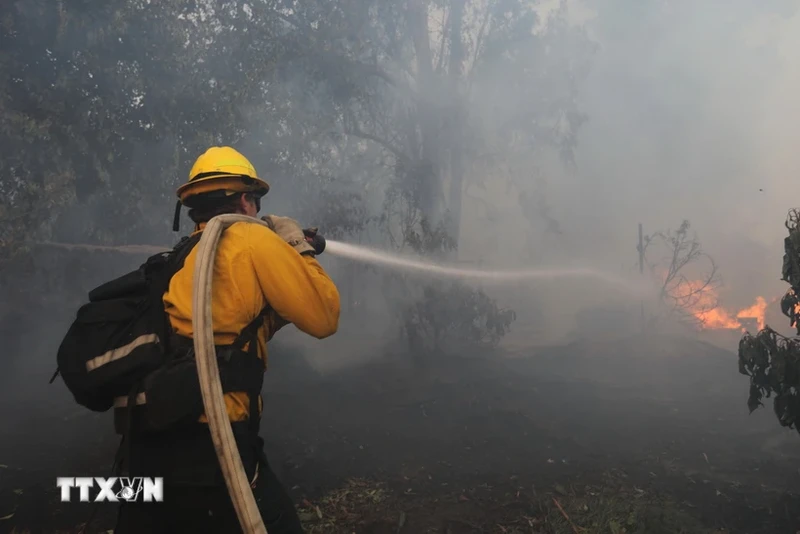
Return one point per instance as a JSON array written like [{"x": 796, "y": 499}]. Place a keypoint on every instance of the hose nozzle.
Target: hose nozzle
[{"x": 315, "y": 239}]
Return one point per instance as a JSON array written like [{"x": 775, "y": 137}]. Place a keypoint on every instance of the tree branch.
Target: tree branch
[{"x": 357, "y": 132}]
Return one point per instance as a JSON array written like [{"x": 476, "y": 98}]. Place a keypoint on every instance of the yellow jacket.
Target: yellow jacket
[{"x": 254, "y": 267}]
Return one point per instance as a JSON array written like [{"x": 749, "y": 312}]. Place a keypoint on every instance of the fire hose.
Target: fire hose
[{"x": 228, "y": 455}]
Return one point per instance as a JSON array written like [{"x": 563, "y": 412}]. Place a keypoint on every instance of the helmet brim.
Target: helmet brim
[{"x": 222, "y": 182}]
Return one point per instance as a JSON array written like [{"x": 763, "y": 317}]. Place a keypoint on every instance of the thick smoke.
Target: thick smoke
[
  {"x": 691, "y": 115},
  {"x": 647, "y": 113}
]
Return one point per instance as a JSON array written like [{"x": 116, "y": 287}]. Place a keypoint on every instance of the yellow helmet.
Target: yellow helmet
[{"x": 220, "y": 169}]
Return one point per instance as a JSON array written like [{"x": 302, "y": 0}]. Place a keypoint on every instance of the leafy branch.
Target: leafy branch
[{"x": 772, "y": 362}]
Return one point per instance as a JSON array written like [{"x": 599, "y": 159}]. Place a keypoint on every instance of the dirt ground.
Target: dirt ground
[{"x": 629, "y": 436}]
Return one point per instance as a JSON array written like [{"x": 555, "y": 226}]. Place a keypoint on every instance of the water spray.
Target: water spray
[
  {"x": 404, "y": 263},
  {"x": 416, "y": 265}
]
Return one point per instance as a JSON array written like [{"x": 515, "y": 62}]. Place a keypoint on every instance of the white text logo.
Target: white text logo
[{"x": 113, "y": 489}]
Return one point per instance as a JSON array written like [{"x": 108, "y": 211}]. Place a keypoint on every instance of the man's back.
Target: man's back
[{"x": 255, "y": 268}]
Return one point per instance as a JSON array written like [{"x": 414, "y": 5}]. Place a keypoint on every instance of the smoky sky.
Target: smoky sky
[{"x": 693, "y": 115}]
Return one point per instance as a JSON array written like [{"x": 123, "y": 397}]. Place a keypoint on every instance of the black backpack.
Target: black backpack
[{"x": 122, "y": 334}]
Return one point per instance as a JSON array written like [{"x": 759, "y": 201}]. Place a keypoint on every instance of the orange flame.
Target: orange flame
[
  {"x": 757, "y": 311},
  {"x": 702, "y": 302},
  {"x": 721, "y": 319},
  {"x": 717, "y": 319}
]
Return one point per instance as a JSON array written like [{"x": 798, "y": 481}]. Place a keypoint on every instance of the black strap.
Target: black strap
[
  {"x": 124, "y": 450},
  {"x": 177, "y": 257},
  {"x": 175, "y": 262},
  {"x": 176, "y": 220},
  {"x": 251, "y": 330},
  {"x": 250, "y": 333},
  {"x": 184, "y": 246}
]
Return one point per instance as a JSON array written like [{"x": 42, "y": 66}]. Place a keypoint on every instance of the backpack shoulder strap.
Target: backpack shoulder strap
[
  {"x": 160, "y": 268},
  {"x": 159, "y": 279},
  {"x": 185, "y": 246}
]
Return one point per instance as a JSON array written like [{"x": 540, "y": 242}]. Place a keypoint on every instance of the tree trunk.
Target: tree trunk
[
  {"x": 428, "y": 170},
  {"x": 457, "y": 116}
]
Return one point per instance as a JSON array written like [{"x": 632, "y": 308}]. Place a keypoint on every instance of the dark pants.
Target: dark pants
[{"x": 205, "y": 507}]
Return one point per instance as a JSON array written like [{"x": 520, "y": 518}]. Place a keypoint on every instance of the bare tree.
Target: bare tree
[{"x": 690, "y": 299}]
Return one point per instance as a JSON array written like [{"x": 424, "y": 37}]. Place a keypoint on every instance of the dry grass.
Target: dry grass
[
  {"x": 365, "y": 507},
  {"x": 344, "y": 507}
]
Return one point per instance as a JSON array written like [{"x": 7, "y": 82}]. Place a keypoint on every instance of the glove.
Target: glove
[{"x": 289, "y": 230}]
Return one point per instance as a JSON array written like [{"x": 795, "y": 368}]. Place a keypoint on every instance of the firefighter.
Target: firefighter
[{"x": 263, "y": 278}]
